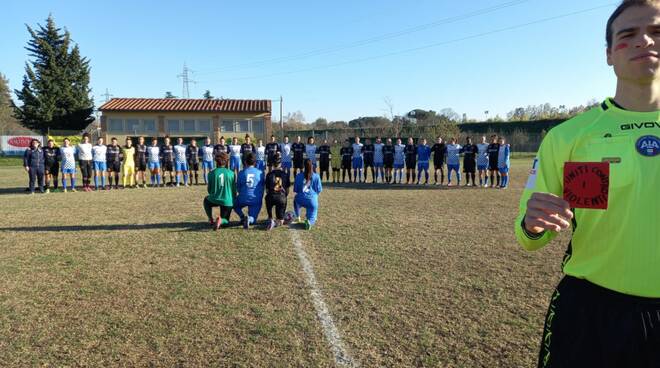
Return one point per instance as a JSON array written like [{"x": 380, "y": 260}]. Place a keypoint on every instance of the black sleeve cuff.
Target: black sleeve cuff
[{"x": 530, "y": 235}]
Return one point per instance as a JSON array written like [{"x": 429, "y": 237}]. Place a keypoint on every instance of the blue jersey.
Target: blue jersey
[
  {"x": 453, "y": 154},
  {"x": 357, "y": 150},
  {"x": 207, "y": 153},
  {"x": 250, "y": 186},
  {"x": 68, "y": 157},
  {"x": 285, "y": 148},
  {"x": 503, "y": 156},
  {"x": 153, "y": 154},
  {"x": 399, "y": 154},
  {"x": 423, "y": 153},
  {"x": 308, "y": 190},
  {"x": 378, "y": 152},
  {"x": 261, "y": 153},
  {"x": 482, "y": 154}
]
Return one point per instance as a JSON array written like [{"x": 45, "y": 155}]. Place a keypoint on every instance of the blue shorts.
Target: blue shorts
[
  {"x": 286, "y": 164},
  {"x": 234, "y": 163},
  {"x": 180, "y": 166},
  {"x": 207, "y": 165},
  {"x": 100, "y": 166},
  {"x": 504, "y": 170},
  {"x": 68, "y": 171},
  {"x": 261, "y": 165},
  {"x": 422, "y": 166},
  {"x": 398, "y": 165},
  {"x": 153, "y": 165},
  {"x": 456, "y": 168},
  {"x": 378, "y": 164},
  {"x": 358, "y": 163},
  {"x": 482, "y": 167}
]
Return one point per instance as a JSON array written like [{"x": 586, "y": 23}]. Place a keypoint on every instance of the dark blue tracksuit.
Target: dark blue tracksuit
[{"x": 34, "y": 160}]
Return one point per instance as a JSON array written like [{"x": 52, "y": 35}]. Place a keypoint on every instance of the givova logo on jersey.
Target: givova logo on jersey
[{"x": 648, "y": 145}]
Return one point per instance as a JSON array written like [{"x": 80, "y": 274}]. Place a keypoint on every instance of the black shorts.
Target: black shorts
[
  {"x": 297, "y": 163},
  {"x": 114, "y": 166},
  {"x": 492, "y": 166},
  {"x": 193, "y": 165},
  {"x": 346, "y": 164},
  {"x": 591, "y": 326},
  {"x": 411, "y": 163},
  {"x": 388, "y": 163},
  {"x": 324, "y": 165},
  {"x": 52, "y": 168},
  {"x": 438, "y": 165},
  {"x": 369, "y": 163},
  {"x": 279, "y": 202},
  {"x": 469, "y": 166},
  {"x": 141, "y": 166},
  {"x": 167, "y": 166}
]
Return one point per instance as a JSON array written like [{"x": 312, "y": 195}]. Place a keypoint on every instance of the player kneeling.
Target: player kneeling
[
  {"x": 277, "y": 189},
  {"x": 250, "y": 191},
  {"x": 307, "y": 187},
  {"x": 222, "y": 189}
]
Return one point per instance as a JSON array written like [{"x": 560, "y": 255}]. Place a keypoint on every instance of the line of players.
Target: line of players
[{"x": 181, "y": 163}]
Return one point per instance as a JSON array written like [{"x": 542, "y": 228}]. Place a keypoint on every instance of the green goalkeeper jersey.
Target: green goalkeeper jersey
[
  {"x": 617, "y": 248},
  {"x": 221, "y": 186}
]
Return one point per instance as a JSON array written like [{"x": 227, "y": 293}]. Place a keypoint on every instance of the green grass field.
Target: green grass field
[{"x": 413, "y": 277}]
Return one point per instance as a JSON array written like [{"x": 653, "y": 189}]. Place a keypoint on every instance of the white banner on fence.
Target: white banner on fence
[{"x": 15, "y": 145}]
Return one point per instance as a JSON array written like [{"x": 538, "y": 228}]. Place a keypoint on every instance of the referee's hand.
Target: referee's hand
[{"x": 547, "y": 211}]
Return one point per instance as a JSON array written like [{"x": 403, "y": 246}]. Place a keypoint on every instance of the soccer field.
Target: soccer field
[{"x": 411, "y": 276}]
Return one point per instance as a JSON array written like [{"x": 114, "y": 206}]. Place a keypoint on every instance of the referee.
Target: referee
[{"x": 606, "y": 310}]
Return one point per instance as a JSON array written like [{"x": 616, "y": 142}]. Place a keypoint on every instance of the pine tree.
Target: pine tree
[{"x": 55, "y": 92}]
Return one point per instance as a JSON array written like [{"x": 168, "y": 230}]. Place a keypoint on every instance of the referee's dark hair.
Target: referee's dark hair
[
  {"x": 626, "y": 4},
  {"x": 221, "y": 159}
]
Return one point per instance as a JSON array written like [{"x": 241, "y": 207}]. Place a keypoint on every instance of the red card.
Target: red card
[{"x": 587, "y": 184}]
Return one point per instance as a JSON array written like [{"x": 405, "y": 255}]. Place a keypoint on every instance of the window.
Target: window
[
  {"x": 132, "y": 125},
  {"x": 189, "y": 125},
  {"x": 149, "y": 125},
  {"x": 204, "y": 125},
  {"x": 172, "y": 125},
  {"x": 116, "y": 125},
  {"x": 244, "y": 126},
  {"x": 227, "y": 126},
  {"x": 258, "y": 126}
]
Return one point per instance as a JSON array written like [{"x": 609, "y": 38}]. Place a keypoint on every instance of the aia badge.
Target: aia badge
[
  {"x": 587, "y": 184},
  {"x": 648, "y": 145}
]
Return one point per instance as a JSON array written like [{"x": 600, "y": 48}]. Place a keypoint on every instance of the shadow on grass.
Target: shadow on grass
[
  {"x": 174, "y": 226},
  {"x": 380, "y": 186}
]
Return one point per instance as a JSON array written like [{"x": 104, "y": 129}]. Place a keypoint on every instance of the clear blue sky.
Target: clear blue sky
[{"x": 264, "y": 49}]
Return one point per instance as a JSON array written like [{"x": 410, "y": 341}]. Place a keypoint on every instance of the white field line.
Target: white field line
[{"x": 342, "y": 358}]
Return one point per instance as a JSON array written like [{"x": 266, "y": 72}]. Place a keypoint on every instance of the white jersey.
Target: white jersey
[
  {"x": 357, "y": 150},
  {"x": 207, "y": 153},
  {"x": 399, "y": 154},
  {"x": 310, "y": 151},
  {"x": 378, "y": 152},
  {"x": 261, "y": 153},
  {"x": 482, "y": 156},
  {"x": 180, "y": 153},
  {"x": 68, "y": 157},
  {"x": 153, "y": 152},
  {"x": 286, "y": 152},
  {"x": 98, "y": 152},
  {"x": 235, "y": 150},
  {"x": 454, "y": 154},
  {"x": 85, "y": 151}
]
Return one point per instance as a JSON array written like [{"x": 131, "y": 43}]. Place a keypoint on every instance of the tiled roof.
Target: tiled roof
[{"x": 186, "y": 105}]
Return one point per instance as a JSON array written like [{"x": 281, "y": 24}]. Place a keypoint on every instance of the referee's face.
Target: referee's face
[{"x": 636, "y": 44}]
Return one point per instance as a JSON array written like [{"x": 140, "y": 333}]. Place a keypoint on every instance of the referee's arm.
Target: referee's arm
[{"x": 543, "y": 212}]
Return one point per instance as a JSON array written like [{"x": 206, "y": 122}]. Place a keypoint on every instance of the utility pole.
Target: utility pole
[
  {"x": 186, "y": 81},
  {"x": 281, "y": 121}
]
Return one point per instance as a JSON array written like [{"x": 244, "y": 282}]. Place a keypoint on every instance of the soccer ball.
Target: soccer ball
[{"x": 289, "y": 217}]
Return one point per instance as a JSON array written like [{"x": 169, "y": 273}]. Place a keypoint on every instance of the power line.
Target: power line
[
  {"x": 367, "y": 41},
  {"x": 107, "y": 96},
  {"x": 419, "y": 48}
]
